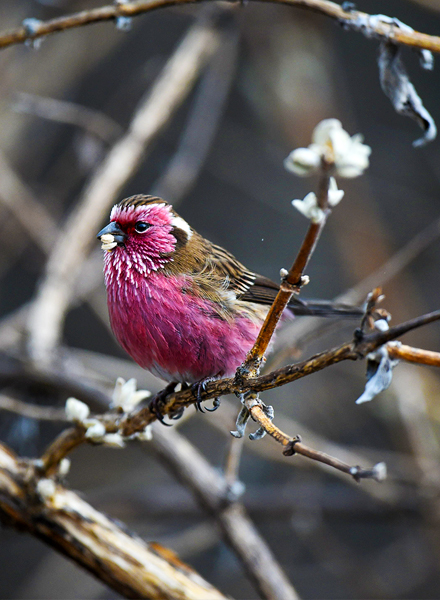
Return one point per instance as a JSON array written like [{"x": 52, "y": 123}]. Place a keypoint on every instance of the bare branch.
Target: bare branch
[
  {"x": 93, "y": 121},
  {"x": 214, "y": 493},
  {"x": 289, "y": 285},
  {"x": 32, "y": 411},
  {"x": 295, "y": 446},
  {"x": 354, "y": 19},
  {"x": 134, "y": 423},
  {"x": 415, "y": 355},
  {"x": 63, "y": 520}
]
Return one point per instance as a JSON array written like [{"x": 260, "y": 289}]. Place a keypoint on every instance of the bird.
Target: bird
[{"x": 182, "y": 307}]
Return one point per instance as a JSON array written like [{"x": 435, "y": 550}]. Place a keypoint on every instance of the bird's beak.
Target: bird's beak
[{"x": 111, "y": 236}]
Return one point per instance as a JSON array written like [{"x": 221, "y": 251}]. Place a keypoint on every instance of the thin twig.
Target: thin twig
[
  {"x": 354, "y": 19},
  {"x": 295, "y": 446},
  {"x": 136, "y": 422},
  {"x": 154, "y": 111},
  {"x": 415, "y": 355},
  {"x": 201, "y": 125},
  {"x": 93, "y": 121},
  {"x": 302, "y": 332},
  {"x": 32, "y": 411},
  {"x": 289, "y": 285}
]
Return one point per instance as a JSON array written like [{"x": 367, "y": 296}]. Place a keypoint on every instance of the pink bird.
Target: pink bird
[{"x": 182, "y": 307}]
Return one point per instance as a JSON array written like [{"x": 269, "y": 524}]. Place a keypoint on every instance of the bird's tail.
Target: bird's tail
[{"x": 323, "y": 308}]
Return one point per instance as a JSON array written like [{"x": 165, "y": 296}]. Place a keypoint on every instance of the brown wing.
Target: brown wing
[{"x": 215, "y": 270}]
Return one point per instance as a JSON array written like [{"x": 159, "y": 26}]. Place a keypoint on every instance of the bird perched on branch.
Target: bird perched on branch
[{"x": 182, "y": 307}]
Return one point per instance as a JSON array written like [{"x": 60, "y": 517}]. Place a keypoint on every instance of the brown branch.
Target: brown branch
[
  {"x": 289, "y": 285},
  {"x": 350, "y": 18},
  {"x": 308, "y": 329},
  {"x": 295, "y": 446},
  {"x": 135, "y": 422},
  {"x": 415, "y": 355},
  {"x": 213, "y": 491},
  {"x": 63, "y": 520},
  {"x": 355, "y": 350}
]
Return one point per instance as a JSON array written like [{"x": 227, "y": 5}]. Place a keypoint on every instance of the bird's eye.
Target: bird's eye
[{"x": 141, "y": 227}]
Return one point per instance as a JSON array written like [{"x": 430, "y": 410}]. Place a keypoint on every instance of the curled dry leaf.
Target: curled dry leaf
[{"x": 396, "y": 85}]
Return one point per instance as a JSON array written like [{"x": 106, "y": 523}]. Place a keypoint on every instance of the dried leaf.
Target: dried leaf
[
  {"x": 379, "y": 374},
  {"x": 396, "y": 85}
]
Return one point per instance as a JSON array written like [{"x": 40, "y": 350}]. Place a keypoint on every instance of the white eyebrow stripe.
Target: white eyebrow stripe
[{"x": 182, "y": 224}]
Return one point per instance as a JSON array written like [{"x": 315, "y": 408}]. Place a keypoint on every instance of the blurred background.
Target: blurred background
[{"x": 276, "y": 73}]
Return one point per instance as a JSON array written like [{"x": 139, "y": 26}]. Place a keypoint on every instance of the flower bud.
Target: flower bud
[
  {"x": 76, "y": 410},
  {"x": 303, "y": 162}
]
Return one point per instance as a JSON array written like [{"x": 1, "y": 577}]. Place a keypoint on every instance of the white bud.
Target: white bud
[
  {"x": 95, "y": 430},
  {"x": 381, "y": 325},
  {"x": 309, "y": 208},
  {"x": 46, "y": 489},
  {"x": 76, "y": 410},
  {"x": 146, "y": 435},
  {"x": 334, "y": 194},
  {"x": 330, "y": 142},
  {"x": 283, "y": 273},
  {"x": 125, "y": 395},
  {"x": 114, "y": 439},
  {"x": 305, "y": 280},
  {"x": 64, "y": 467},
  {"x": 380, "y": 471},
  {"x": 303, "y": 162}
]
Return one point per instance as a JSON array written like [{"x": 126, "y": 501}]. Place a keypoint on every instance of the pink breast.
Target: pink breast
[{"x": 175, "y": 335}]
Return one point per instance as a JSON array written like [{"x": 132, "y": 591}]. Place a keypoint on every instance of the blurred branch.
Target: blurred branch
[
  {"x": 20, "y": 201},
  {"x": 93, "y": 121},
  {"x": 201, "y": 125},
  {"x": 215, "y": 494},
  {"x": 370, "y": 25},
  {"x": 76, "y": 237},
  {"x": 32, "y": 411},
  {"x": 63, "y": 520},
  {"x": 232, "y": 462}
]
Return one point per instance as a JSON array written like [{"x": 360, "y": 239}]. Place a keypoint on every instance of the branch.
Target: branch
[
  {"x": 63, "y": 520},
  {"x": 290, "y": 284},
  {"x": 415, "y": 355},
  {"x": 295, "y": 446},
  {"x": 353, "y": 19},
  {"x": 91, "y": 121},
  {"x": 213, "y": 491},
  {"x": 135, "y": 423},
  {"x": 155, "y": 109},
  {"x": 32, "y": 411}
]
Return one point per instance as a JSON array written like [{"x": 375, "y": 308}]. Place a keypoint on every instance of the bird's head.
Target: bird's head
[{"x": 145, "y": 229}]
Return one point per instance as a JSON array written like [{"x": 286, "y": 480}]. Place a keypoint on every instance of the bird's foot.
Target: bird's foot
[
  {"x": 156, "y": 404},
  {"x": 197, "y": 389}
]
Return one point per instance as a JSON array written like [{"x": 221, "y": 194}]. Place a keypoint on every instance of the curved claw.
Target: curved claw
[
  {"x": 156, "y": 410},
  {"x": 197, "y": 388},
  {"x": 215, "y": 405},
  {"x": 156, "y": 401},
  {"x": 178, "y": 414}
]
